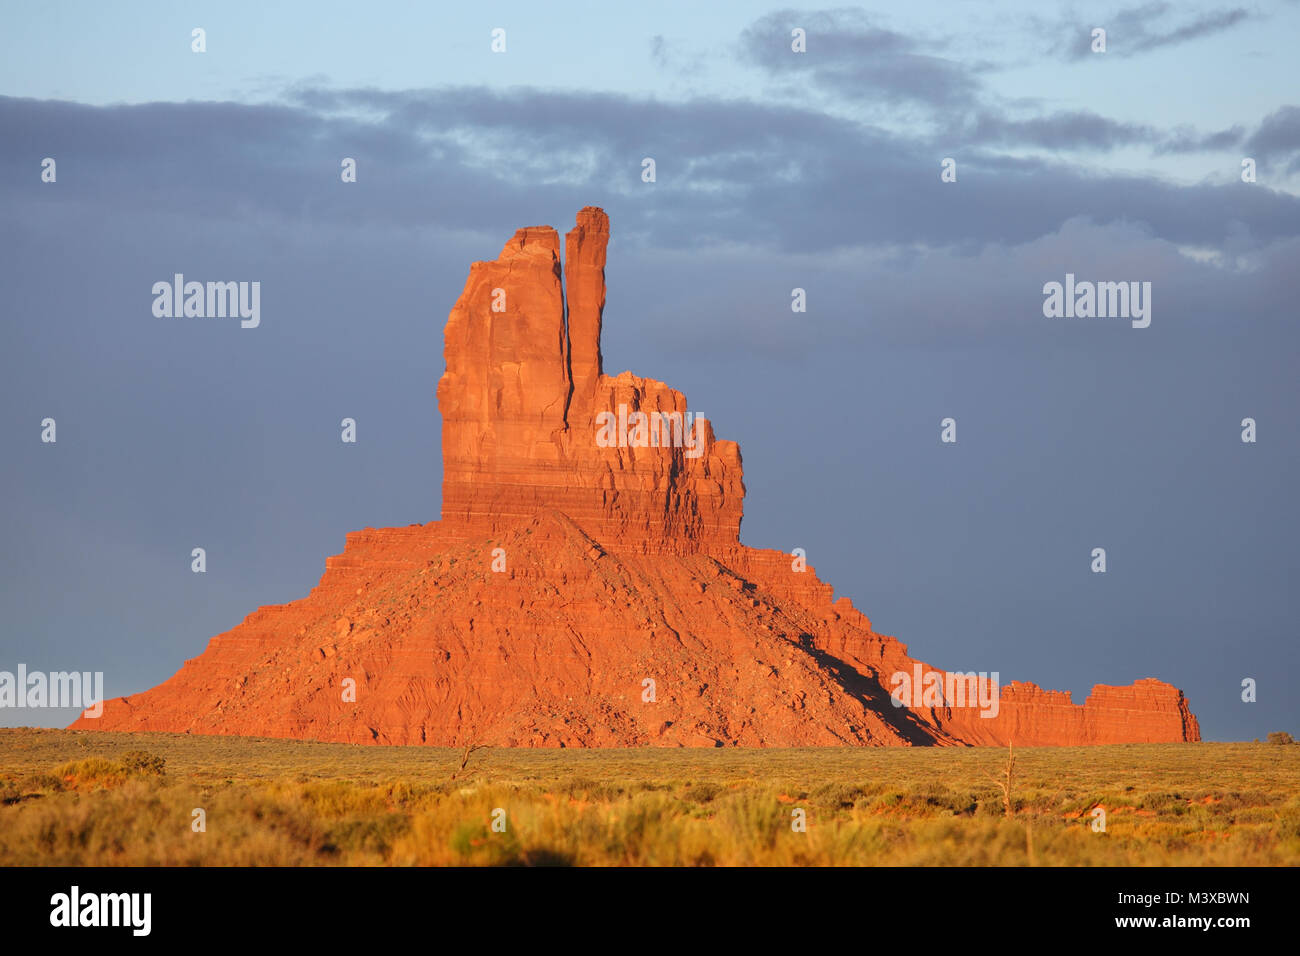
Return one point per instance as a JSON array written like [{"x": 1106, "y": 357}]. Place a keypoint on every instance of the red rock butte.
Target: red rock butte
[{"x": 585, "y": 593}]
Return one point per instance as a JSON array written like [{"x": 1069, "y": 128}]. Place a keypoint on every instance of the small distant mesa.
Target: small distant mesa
[{"x": 586, "y": 585}]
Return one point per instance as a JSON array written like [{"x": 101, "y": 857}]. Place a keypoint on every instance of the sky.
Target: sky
[{"x": 775, "y": 170}]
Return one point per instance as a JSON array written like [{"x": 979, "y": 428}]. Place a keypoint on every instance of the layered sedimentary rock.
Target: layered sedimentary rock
[
  {"x": 586, "y": 585},
  {"x": 520, "y": 400}
]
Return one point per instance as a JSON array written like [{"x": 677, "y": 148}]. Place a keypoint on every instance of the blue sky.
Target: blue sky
[{"x": 774, "y": 171}]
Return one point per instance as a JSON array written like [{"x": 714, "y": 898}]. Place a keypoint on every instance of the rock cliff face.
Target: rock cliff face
[
  {"x": 520, "y": 400},
  {"x": 586, "y": 585}
]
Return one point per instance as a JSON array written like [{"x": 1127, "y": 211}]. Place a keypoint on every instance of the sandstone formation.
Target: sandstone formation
[
  {"x": 583, "y": 590},
  {"x": 519, "y": 402}
]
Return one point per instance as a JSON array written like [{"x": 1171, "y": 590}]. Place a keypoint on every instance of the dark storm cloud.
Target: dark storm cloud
[
  {"x": 1066, "y": 130},
  {"x": 849, "y": 55},
  {"x": 1277, "y": 141},
  {"x": 770, "y": 171},
  {"x": 1070, "y": 131},
  {"x": 1190, "y": 141},
  {"x": 659, "y": 50},
  {"x": 1203, "y": 26},
  {"x": 735, "y": 171},
  {"x": 1144, "y": 28},
  {"x": 859, "y": 63}
]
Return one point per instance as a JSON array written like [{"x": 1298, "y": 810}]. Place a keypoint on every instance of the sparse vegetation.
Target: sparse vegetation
[
  {"x": 141, "y": 761},
  {"x": 89, "y": 798},
  {"x": 1006, "y": 783}
]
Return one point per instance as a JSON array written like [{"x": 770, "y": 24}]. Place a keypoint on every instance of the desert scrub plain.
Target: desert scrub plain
[{"x": 96, "y": 798}]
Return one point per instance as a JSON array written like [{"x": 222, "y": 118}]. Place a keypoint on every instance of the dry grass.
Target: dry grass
[{"x": 88, "y": 798}]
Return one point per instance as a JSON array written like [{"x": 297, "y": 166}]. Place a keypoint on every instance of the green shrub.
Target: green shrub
[{"x": 143, "y": 762}]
